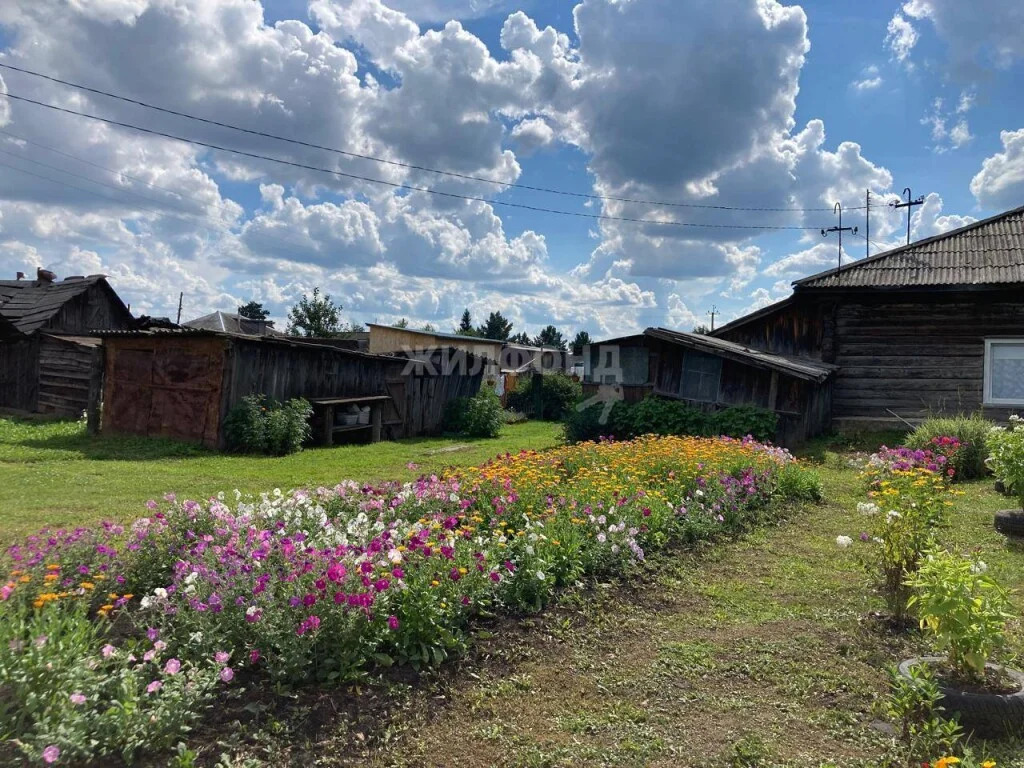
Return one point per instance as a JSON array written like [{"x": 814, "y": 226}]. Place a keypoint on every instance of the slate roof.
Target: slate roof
[
  {"x": 987, "y": 252},
  {"x": 29, "y": 304},
  {"x": 437, "y": 334},
  {"x": 233, "y": 323},
  {"x": 800, "y": 367}
]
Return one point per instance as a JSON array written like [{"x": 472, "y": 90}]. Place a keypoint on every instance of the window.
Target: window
[
  {"x": 701, "y": 375},
  {"x": 1004, "y": 371}
]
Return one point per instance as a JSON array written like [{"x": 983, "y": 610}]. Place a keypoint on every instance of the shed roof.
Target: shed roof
[
  {"x": 234, "y": 323},
  {"x": 987, "y": 252},
  {"x": 29, "y": 304},
  {"x": 438, "y": 334},
  {"x": 282, "y": 340},
  {"x": 801, "y": 368}
]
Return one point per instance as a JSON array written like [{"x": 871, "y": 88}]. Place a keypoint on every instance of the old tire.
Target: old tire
[
  {"x": 986, "y": 715},
  {"x": 1010, "y": 522}
]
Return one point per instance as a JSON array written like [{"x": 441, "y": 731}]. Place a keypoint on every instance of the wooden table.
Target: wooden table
[{"x": 327, "y": 405}]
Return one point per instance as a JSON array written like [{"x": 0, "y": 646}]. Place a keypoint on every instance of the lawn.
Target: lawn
[
  {"x": 759, "y": 652},
  {"x": 52, "y": 473}
]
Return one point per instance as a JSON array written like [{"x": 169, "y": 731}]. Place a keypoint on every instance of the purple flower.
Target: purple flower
[
  {"x": 254, "y": 655},
  {"x": 222, "y": 657},
  {"x": 51, "y": 754},
  {"x": 393, "y": 622},
  {"x": 155, "y": 686},
  {"x": 172, "y": 667},
  {"x": 227, "y": 674},
  {"x": 77, "y": 698},
  {"x": 108, "y": 650}
]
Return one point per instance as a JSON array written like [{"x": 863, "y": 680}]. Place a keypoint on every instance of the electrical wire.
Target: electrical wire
[
  {"x": 400, "y": 164},
  {"x": 404, "y": 187}
]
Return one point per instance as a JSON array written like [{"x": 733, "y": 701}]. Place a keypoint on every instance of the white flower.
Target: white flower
[
  {"x": 892, "y": 514},
  {"x": 979, "y": 567},
  {"x": 191, "y": 578},
  {"x": 843, "y": 541},
  {"x": 160, "y": 593},
  {"x": 867, "y": 508},
  {"x": 394, "y": 556},
  {"x": 699, "y": 493},
  {"x": 541, "y": 576},
  {"x": 146, "y": 601},
  {"x": 251, "y": 610},
  {"x": 529, "y": 549}
]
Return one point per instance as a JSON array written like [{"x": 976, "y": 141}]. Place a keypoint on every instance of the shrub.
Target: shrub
[
  {"x": 1006, "y": 455},
  {"x": 558, "y": 395},
  {"x": 662, "y": 416},
  {"x": 964, "y": 608},
  {"x": 915, "y": 702},
  {"x": 477, "y": 416},
  {"x": 968, "y": 456},
  {"x": 799, "y": 483},
  {"x": 513, "y": 417},
  {"x": 259, "y": 424}
]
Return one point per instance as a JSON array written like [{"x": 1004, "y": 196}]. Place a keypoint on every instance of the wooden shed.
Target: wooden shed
[
  {"x": 182, "y": 383},
  {"x": 933, "y": 327},
  {"x": 48, "y": 363},
  {"x": 711, "y": 373}
]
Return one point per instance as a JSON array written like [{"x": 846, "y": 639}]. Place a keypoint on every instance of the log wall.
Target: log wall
[
  {"x": 68, "y": 374},
  {"x": 19, "y": 373}
]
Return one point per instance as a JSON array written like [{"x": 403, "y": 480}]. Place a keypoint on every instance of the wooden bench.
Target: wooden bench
[{"x": 326, "y": 407}]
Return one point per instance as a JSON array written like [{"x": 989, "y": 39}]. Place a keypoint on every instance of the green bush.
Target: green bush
[
  {"x": 477, "y": 416},
  {"x": 969, "y": 459},
  {"x": 259, "y": 424},
  {"x": 661, "y": 416},
  {"x": 558, "y": 395}
]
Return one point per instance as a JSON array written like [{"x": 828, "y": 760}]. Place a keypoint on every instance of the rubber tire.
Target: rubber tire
[
  {"x": 1010, "y": 522},
  {"x": 986, "y": 715}
]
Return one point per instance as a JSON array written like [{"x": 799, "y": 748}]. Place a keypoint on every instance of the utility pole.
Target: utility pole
[
  {"x": 867, "y": 223},
  {"x": 909, "y": 205},
  {"x": 840, "y": 229},
  {"x": 713, "y": 311},
  {"x": 181, "y": 296}
]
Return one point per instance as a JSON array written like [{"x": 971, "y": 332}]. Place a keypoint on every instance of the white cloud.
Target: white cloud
[
  {"x": 1000, "y": 182},
  {"x": 532, "y": 134},
  {"x": 979, "y": 34},
  {"x": 900, "y": 38},
  {"x": 869, "y": 80},
  {"x": 938, "y": 118},
  {"x": 928, "y": 220}
]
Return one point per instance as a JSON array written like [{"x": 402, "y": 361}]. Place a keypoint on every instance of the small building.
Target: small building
[
  {"x": 711, "y": 373},
  {"x": 388, "y": 339},
  {"x": 48, "y": 361},
  {"x": 933, "y": 327},
  {"x": 523, "y": 358},
  {"x": 183, "y": 383},
  {"x": 229, "y": 322}
]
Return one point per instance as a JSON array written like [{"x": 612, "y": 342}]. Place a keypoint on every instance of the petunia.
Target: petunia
[
  {"x": 172, "y": 667},
  {"x": 154, "y": 686},
  {"x": 77, "y": 698},
  {"x": 227, "y": 674},
  {"x": 51, "y": 754}
]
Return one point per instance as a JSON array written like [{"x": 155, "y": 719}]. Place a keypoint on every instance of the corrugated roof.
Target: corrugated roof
[
  {"x": 29, "y": 304},
  {"x": 438, "y": 334},
  {"x": 987, "y": 252},
  {"x": 234, "y": 323},
  {"x": 800, "y": 367}
]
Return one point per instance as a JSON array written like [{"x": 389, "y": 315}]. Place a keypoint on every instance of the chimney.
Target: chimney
[
  {"x": 45, "y": 275},
  {"x": 21, "y": 276}
]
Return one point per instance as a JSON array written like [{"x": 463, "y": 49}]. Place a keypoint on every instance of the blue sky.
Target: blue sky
[{"x": 726, "y": 103}]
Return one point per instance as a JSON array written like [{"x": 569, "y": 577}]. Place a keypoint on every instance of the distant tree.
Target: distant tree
[
  {"x": 429, "y": 327},
  {"x": 315, "y": 315},
  {"x": 582, "y": 339},
  {"x": 466, "y": 325},
  {"x": 356, "y": 328},
  {"x": 403, "y": 323},
  {"x": 520, "y": 338},
  {"x": 703, "y": 329},
  {"x": 496, "y": 327},
  {"x": 549, "y": 337},
  {"x": 254, "y": 310}
]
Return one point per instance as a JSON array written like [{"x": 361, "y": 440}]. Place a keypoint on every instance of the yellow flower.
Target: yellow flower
[
  {"x": 945, "y": 762},
  {"x": 87, "y": 585},
  {"x": 989, "y": 764}
]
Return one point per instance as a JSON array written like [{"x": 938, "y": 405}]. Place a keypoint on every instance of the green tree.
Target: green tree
[
  {"x": 254, "y": 310},
  {"x": 702, "y": 329},
  {"x": 429, "y": 327},
  {"x": 315, "y": 316},
  {"x": 403, "y": 323},
  {"x": 520, "y": 338},
  {"x": 581, "y": 340},
  {"x": 496, "y": 327},
  {"x": 466, "y": 325},
  {"x": 549, "y": 337}
]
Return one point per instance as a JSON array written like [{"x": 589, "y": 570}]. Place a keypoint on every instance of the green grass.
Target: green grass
[{"x": 52, "y": 473}]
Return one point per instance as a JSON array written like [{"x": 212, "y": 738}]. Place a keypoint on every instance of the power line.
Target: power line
[
  {"x": 398, "y": 163},
  {"x": 397, "y": 185}
]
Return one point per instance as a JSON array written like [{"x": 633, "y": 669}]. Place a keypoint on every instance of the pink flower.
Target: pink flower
[
  {"x": 336, "y": 572},
  {"x": 254, "y": 655},
  {"x": 51, "y": 754},
  {"x": 227, "y": 674},
  {"x": 172, "y": 667},
  {"x": 77, "y": 698},
  {"x": 159, "y": 645},
  {"x": 155, "y": 686},
  {"x": 152, "y": 634},
  {"x": 108, "y": 650},
  {"x": 222, "y": 657},
  {"x": 393, "y": 622},
  {"x": 149, "y": 655}
]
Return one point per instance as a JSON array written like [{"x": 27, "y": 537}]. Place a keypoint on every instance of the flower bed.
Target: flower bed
[{"x": 327, "y": 583}]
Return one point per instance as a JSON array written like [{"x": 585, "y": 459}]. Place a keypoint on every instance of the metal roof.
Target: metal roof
[
  {"x": 234, "y": 323},
  {"x": 987, "y": 252},
  {"x": 800, "y": 367},
  {"x": 29, "y": 304},
  {"x": 437, "y": 334}
]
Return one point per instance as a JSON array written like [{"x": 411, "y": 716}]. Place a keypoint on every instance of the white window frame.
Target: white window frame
[{"x": 988, "y": 399}]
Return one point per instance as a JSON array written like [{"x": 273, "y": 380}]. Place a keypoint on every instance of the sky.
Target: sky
[{"x": 603, "y": 165}]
